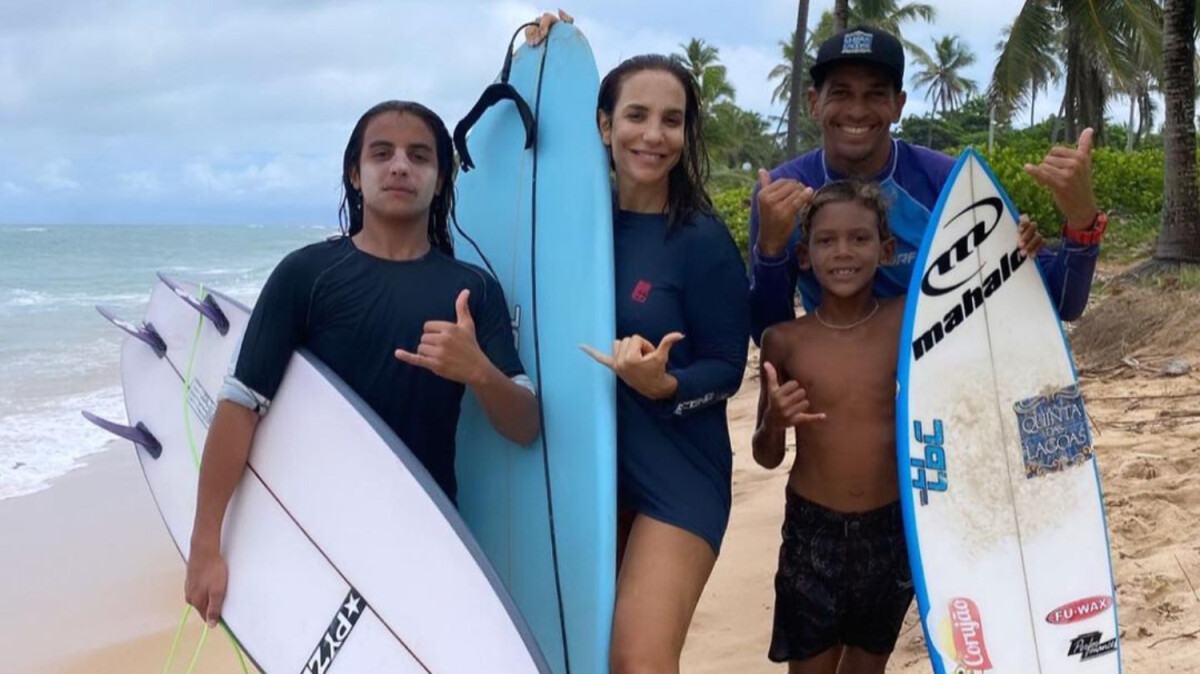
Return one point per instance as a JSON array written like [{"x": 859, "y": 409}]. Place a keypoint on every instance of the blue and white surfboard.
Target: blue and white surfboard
[{"x": 999, "y": 483}]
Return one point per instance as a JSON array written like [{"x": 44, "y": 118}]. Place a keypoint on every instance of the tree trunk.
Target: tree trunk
[
  {"x": 1058, "y": 119},
  {"x": 841, "y": 15},
  {"x": 1032, "y": 102},
  {"x": 991, "y": 127},
  {"x": 796, "y": 98},
  {"x": 1129, "y": 134},
  {"x": 1074, "y": 68},
  {"x": 1179, "y": 240},
  {"x": 1145, "y": 113},
  {"x": 1093, "y": 94}
]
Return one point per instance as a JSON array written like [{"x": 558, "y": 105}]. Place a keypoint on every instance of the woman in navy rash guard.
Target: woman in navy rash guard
[
  {"x": 683, "y": 322},
  {"x": 683, "y": 327}
]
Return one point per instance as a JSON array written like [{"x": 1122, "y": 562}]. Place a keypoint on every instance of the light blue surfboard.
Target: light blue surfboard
[
  {"x": 546, "y": 514},
  {"x": 999, "y": 483}
]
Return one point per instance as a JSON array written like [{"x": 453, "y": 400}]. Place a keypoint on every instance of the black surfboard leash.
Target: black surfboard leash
[{"x": 537, "y": 356}]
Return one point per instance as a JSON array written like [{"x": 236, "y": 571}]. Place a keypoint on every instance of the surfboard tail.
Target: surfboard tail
[
  {"x": 143, "y": 332},
  {"x": 138, "y": 434},
  {"x": 207, "y": 306}
]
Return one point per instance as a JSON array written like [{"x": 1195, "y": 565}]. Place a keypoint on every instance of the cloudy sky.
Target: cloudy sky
[{"x": 237, "y": 111}]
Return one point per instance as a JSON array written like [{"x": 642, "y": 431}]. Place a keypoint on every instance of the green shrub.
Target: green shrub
[
  {"x": 1128, "y": 185},
  {"x": 733, "y": 206}
]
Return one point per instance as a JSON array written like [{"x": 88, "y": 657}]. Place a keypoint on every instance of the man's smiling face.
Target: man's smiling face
[{"x": 856, "y": 106}]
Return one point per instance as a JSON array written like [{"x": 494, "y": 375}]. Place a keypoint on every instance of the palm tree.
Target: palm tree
[
  {"x": 797, "y": 78},
  {"x": 885, "y": 14},
  {"x": 704, "y": 62},
  {"x": 940, "y": 76},
  {"x": 736, "y": 136},
  {"x": 805, "y": 128},
  {"x": 1100, "y": 38},
  {"x": 1141, "y": 104},
  {"x": 782, "y": 93},
  {"x": 1179, "y": 239},
  {"x": 889, "y": 15},
  {"x": 1040, "y": 72},
  {"x": 841, "y": 15}
]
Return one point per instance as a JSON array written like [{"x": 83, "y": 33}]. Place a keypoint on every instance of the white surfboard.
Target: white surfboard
[
  {"x": 344, "y": 556},
  {"x": 1000, "y": 488}
]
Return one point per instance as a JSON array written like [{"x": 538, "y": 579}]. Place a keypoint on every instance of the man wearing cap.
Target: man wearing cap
[{"x": 857, "y": 94}]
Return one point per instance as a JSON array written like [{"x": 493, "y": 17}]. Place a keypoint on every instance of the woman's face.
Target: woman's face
[{"x": 646, "y": 131}]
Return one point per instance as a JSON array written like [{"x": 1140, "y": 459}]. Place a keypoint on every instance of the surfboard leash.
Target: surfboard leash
[
  {"x": 537, "y": 357},
  {"x": 500, "y": 91},
  {"x": 187, "y": 611}
]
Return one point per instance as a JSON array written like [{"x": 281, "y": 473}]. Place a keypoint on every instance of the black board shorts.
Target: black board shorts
[{"x": 843, "y": 579}]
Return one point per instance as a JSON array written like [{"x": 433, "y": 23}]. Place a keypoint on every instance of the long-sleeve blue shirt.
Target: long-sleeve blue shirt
[
  {"x": 912, "y": 180},
  {"x": 673, "y": 456}
]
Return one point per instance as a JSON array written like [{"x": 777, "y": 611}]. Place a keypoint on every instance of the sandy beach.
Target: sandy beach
[{"x": 90, "y": 581}]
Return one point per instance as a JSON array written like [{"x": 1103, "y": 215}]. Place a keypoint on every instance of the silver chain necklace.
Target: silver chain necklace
[{"x": 855, "y": 324}]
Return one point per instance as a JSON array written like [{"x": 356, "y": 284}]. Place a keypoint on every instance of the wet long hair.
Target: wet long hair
[
  {"x": 441, "y": 211},
  {"x": 686, "y": 196}
]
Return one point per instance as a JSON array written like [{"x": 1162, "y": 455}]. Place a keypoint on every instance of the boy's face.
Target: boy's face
[
  {"x": 844, "y": 248},
  {"x": 856, "y": 106},
  {"x": 398, "y": 169}
]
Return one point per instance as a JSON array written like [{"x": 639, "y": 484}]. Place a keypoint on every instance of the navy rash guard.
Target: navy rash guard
[
  {"x": 352, "y": 310},
  {"x": 912, "y": 181},
  {"x": 674, "y": 457}
]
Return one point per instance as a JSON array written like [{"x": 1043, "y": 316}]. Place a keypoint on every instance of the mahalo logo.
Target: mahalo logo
[{"x": 939, "y": 278}]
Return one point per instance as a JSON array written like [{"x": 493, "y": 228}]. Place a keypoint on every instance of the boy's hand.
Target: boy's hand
[
  {"x": 205, "y": 584},
  {"x": 641, "y": 365},
  {"x": 779, "y": 203},
  {"x": 1028, "y": 237},
  {"x": 787, "y": 405},
  {"x": 450, "y": 350}
]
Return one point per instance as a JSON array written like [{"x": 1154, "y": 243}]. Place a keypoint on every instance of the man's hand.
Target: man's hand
[
  {"x": 1067, "y": 173},
  {"x": 779, "y": 203},
  {"x": 1029, "y": 238}
]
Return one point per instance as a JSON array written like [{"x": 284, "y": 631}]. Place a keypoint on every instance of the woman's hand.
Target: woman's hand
[
  {"x": 535, "y": 34},
  {"x": 641, "y": 364}
]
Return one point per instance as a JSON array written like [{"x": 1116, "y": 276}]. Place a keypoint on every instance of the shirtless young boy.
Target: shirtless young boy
[{"x": 843, "y": 585}]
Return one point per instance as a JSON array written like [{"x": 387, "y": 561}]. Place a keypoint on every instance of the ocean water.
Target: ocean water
[{"x": 58, "y": 356}]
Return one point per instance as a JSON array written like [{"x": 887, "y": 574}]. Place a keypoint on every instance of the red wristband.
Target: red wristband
[{"x": 1090, "y": 236}]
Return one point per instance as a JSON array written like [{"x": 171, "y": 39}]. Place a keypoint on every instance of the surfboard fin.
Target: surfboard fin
[
  {"x": 499, "y": 91},
  {"x": 137, "y": 434},
  {"x": 207, "y": 307},
  {"x": 144, "y": 332}
]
